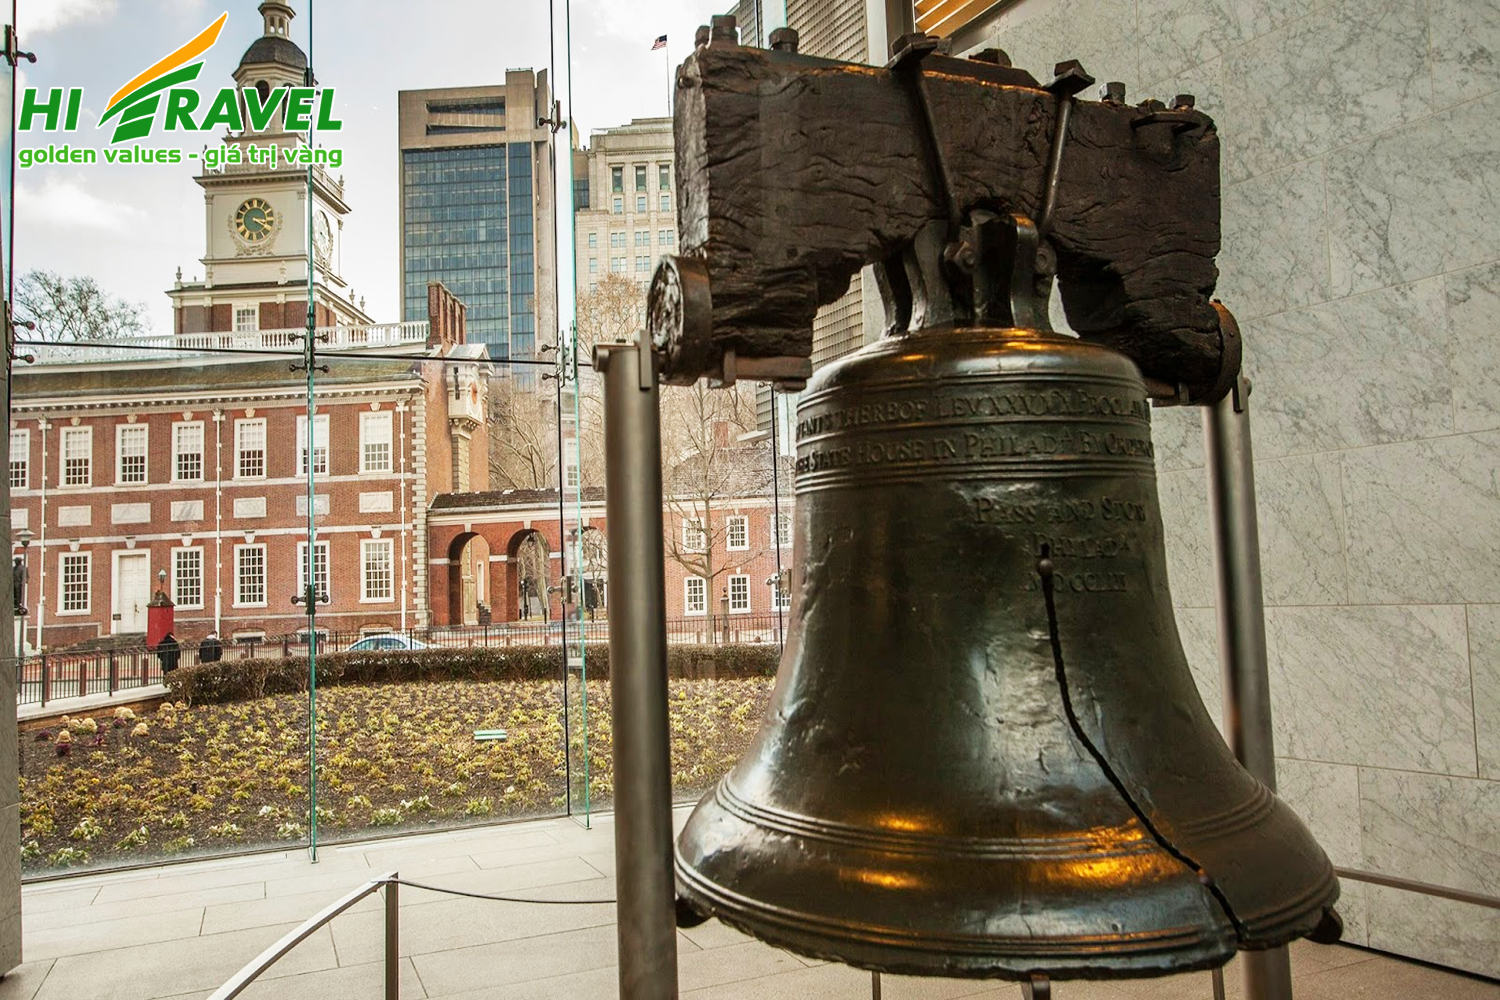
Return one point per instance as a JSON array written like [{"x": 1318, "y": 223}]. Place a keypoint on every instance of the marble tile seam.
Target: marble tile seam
[
  {"x": 1350, "y": 607},
  {"x": 1382, "y": 767},
  {"x": 1351, "y": 449},
  {"x": 1241, "y": 43},
  {"x": 1336, "y": 299},
  {"x": 1474, "y": 703},
  {"x": 1446, "y": 109}
]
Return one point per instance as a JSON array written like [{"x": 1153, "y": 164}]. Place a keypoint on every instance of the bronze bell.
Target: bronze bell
[{"x": 985, "y": 754}]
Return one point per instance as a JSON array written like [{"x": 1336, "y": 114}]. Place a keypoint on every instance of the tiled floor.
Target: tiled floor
[{"x": 181, "y": 931}]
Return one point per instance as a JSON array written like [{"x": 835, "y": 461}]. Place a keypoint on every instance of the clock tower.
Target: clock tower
[{"x": 259, "y": 232}]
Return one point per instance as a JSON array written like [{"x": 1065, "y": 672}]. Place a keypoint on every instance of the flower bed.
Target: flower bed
[{"x": 391, "y": 757}]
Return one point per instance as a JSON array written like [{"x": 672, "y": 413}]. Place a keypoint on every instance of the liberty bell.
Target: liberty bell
[{"x": 985, "y": 754}]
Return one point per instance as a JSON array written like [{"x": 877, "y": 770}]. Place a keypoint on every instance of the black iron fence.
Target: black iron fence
[{"x": 64, "y": 674}]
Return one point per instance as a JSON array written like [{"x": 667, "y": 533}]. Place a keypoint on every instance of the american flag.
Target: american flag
[{"x": 660, "y": 43}]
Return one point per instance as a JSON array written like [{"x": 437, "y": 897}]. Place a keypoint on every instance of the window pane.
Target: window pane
[
  {"x": 78, "y": 456},
  {"x": 250, "y": 449},
  {"x": 320, "y": 571},
  {"x": 320, "y": 444},
  {"x": 250, "y": 574},
  {"x": 739, "y": 593},
  {"x": 640, "y": 177},
  {"x": 20, "y": 459},
  {"x": 375, "y": 442},
  {"x": 75, "y": 582},
  {"x": 378, "y": 585},
  {"x": 187, "y": 577},
  {"x": 187, "y": 451},
  {"x": 130, "y": 444}
]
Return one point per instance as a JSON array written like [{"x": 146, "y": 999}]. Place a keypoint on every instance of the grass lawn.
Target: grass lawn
[{"x": 391, "y": 758}]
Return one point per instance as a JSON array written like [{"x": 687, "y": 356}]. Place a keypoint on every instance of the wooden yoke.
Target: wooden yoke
[{"x": 794, "y": 172}]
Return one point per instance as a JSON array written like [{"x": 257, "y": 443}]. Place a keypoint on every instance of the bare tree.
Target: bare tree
[
  {"x": 613, "y": 311},
  {"x": 532, "y": 572},
  {"x": 706, "y": 467},
  {"x": 523, "y": 435},
  {"x": 76, "y": 308}
]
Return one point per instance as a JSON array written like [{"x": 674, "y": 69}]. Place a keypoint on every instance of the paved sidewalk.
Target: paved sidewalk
[{"x": 181, "y": 931}]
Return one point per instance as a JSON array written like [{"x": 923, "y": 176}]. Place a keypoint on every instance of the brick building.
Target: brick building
[
  {"x": 126, "y": 467},
  {"x": 724, "y": 563}
]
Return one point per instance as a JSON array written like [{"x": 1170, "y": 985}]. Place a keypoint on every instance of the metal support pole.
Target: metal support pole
[
  {"x": 1242, "y": 628},
  {"x": 393, "y": 939},
  {"x": 646, "y": 907}
]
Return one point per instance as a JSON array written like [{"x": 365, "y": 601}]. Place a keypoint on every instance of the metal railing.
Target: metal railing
[
  {"x": 241, "y": 980},
  {"x": 80, "y": 673},
  {"x": 50, "y": 676},
  {"x": 333, "y": 338}
]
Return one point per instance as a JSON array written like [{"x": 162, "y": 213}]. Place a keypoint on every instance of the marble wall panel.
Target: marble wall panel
[
  {"x": 1416, "y": 201},
  {"x": 1275, "y": 249},
  {"x": 1352, "y": 907},
  {"x": 1365, "y": 370},
  {"x": 1484, "y": 660},
  {"x": 1431, "y": 827},
  {"x": 1326, "y": 797},
  {"x": 10, "y": 888},
  {"x": 1301, "y": 519},
  {"x": 1474, "y": 347},
  {"x": 1432, "y": 929},
  {"x": 1178, "y": 34},
  {"x": 1465, "y": 48},
  {"x": 1346, "y": 71},
  {"x": 1423, "y": 519},
  {"x": 1177, "y": 437},
  {"x": 1198, "y": 628},
  {"x": 1100, "y": 34},
  {"x": 1381, "y": 686},
  {"x": 1190, "y": 559}
]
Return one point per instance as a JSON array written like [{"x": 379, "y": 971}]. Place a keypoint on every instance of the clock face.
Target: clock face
[
  {"x": 322, "y": 235},
  {"x": 255, "y": 220}
]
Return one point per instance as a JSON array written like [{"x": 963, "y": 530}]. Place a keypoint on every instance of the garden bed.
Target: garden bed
[{"x": 391, "y": 758}]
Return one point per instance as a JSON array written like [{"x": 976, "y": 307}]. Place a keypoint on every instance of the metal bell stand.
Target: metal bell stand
[{"x": 646, "y": 907}]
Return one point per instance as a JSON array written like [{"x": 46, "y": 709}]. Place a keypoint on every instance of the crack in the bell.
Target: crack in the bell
[{"x": 1044, "y": 570}]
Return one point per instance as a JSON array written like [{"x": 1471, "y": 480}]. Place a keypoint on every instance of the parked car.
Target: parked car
[{"x": 372, "y": 643}]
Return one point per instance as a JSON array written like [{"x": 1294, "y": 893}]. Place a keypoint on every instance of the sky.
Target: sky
[{"x": 131, "y": 227}]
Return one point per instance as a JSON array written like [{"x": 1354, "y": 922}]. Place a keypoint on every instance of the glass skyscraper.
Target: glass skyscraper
[{"x": 470, "y": 201}]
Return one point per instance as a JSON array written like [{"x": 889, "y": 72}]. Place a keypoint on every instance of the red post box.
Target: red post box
[{"x": 160, "y": 618}]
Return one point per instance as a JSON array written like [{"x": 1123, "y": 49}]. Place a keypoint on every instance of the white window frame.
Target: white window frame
[
  {"x": 319, "y": 444},
  {"x": 663, "y": 176},
  {"x": 123, "y": 431},
  {"x": 20, "y": 459},
  {"x": 367, "y": 546},
  {"x": 239, "y": 579},
  {"x": 178, "y": 453},
  {"x": 570, "y": 473},
  {"x": 246, "y": 319},
  {"x": 618, "y": 205},
  {"x": 640, "y": 203},
  {"x": 593, "y": 241},
  {"x": 86, "y": 560},
  {"x": 593, "y": 265},
  {"x": 781, "y": 529},
  {"x": 240, "y": 451},
  {"x": 741, "y": 583},
  {"x": 320, "y": 570},
  {"x": 375, "y": 429},
  {"x": 177, "y": 575},
  {"x": 780, "y": 600},
  {"x": 687, "y": 596},
  {"x": 86, "y": 435},
  {"x": 666, "y": 202},
  {"x": 741, "y": 522},
  {"x": 666, "y": 237},
  {"x": 692, "y": 528}
]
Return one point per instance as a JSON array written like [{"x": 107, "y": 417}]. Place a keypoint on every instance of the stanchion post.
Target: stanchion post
[
  {"x": 646, "y": 899},
  {"x": 1242, "y": 628},
  {"x": 393, "y": 939}
]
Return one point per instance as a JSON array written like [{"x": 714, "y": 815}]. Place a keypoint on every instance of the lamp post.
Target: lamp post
[{"x": 20, "y": 570}]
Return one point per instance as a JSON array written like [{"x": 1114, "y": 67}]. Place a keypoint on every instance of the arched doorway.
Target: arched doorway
[
  {"x": 469, "y": 600},
  {"x": 529, "y": 575},
  {"x": 594, "y": 550}
]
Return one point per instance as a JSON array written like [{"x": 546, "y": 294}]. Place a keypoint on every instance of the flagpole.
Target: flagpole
[{"x": 666, "y": 50}]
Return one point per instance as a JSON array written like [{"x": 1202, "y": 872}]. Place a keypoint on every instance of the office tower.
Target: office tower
[{"x": 477, "y": 211}]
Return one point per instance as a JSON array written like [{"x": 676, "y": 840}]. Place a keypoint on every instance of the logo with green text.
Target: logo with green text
[{"x": 163, "y": 96}]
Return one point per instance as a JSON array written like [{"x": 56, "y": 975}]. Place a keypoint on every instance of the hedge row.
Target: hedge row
[{"x": 237, "y": 680}]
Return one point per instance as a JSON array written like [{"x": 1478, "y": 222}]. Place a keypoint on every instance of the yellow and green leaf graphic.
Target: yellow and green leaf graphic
[{"x": 135, "y": 103}]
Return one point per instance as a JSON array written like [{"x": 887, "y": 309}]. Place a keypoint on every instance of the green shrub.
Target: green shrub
[{"x": 240, "y": 680}]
